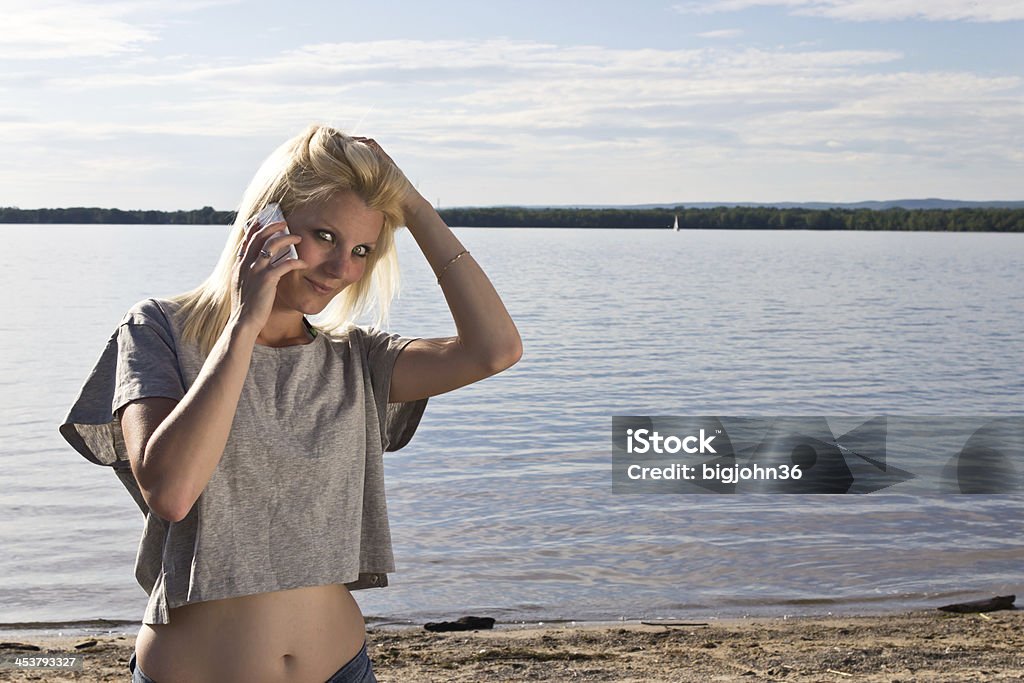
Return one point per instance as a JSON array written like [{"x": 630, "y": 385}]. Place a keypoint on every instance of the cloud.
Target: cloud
[
  {"x": 721, "y": 33},
  {"x": 64, "y": 29},
  {"x": 467, "y": 65},
  {"x": 520, "y": 103},
  {"x": 56, "y": 30},
  {"x": 552, "y": 117},
  {"x": 464, "y": 96},
  {"x": 874, "y": 10}
]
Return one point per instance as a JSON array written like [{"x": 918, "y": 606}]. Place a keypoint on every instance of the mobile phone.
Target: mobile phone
[{"x": 271, "y": 214}]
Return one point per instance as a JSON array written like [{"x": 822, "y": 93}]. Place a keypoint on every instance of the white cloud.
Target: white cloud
[
  {"x": 555, "y": 118},
  {"x": 483, "y": 91},
  {"x": 41, "y": 29},
  {"x": 875, "y": 10},
  {"x": 485, "y": 99},
  {"x": 470, "y": 98},
  {"x": 468, "y": 64},
  {"x": 63, "y": 29},
  {"x": 721, "y": 33}
]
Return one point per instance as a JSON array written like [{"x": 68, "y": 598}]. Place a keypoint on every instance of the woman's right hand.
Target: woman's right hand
[{"x": 253, "y": 279}]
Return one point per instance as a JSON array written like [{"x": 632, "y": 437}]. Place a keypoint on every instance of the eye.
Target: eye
[
  {"x": 362, "y": 251},
  {"x": 329, "y": 236}
]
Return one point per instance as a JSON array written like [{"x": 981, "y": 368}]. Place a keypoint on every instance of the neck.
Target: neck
[{"x": 284, "y": 328}]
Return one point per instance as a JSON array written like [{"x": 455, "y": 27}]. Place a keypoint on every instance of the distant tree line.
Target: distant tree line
[
  {"x": 747, "y": 217},
  {"x": 720, "y": 218},
  {"x": 80, "y": 214}
]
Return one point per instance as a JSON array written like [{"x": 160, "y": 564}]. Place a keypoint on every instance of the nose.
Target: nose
[{"x": 344, "y": 267}]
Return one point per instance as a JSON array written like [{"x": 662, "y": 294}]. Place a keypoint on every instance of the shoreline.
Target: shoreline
[
  {"x": 93, "y": 628},
  {"x": 804, "y": 609},
  {"x": 916, "y": 645}
]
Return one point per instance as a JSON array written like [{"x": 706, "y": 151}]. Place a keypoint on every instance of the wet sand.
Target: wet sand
[{"x": 917, "y": 646}]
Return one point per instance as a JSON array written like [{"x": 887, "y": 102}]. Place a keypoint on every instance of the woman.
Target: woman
[{"x": 254, "y": 441}]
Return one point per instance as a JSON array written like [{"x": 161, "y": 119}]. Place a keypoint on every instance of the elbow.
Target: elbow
[
  {"x": 164, "y": 506},
  {"x": 506, "y": 357},
  {"x": 161, "y": 505},
  {"x": 515, "y": 353},
  {"x": 171, "y": 511},
  {"x": 164, "y": 503}
]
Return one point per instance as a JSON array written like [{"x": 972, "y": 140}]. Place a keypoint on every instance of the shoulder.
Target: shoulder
[
  {"x": 153, "y": 312},
  {"x": 348, "y": 338},
  {"x": 370, "y": 338},
  {"x": 371, "y": 343}
]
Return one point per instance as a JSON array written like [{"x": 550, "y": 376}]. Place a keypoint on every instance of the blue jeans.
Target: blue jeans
[{"x": 357, "y": 670}]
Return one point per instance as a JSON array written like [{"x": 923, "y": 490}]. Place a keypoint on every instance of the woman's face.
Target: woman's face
[{"x": 337, "y": 236}]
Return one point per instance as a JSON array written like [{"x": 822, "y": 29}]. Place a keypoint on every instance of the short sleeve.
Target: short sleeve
[
  {"x": 147, "y": 365},
  {"x": 398, "y": 421},
  {"x": 138, "y": 361}
]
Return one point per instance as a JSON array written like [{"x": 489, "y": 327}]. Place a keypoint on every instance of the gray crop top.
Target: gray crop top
[{"x": 297, "y": 498}]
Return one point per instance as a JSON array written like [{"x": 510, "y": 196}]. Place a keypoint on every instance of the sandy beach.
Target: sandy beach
[{"x": 917, "y": 646}]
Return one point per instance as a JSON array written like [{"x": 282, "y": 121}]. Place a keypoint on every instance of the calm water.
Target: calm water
[{"x": 502, "y": 504}]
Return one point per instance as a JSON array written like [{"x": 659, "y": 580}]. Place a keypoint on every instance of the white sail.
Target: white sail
[{"x": 675, "y": 225}]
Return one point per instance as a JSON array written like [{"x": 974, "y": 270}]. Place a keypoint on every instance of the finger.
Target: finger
[
  {"x": 274, "y": 249},
  {"x": 379, "y": 152},
  {"x": 257, "y": 236},
  {"x": 253, "y": 225},
  {"x": 274, "y": 231},
  {"x": 285, "y": 266},
  {"x": 260, "y": 258},
  {"x": 369, "y": 142},
  {"x": 245, "y": 251},
  {"x": 274, "y": 223},
  {"x": 251, "y": 228},
  {"x": 280, "y": 241}
]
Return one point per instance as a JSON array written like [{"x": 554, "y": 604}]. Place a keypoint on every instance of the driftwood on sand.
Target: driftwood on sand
[
  {"x": 462, "y": 624},
  {"x": 989, "y": 605}
]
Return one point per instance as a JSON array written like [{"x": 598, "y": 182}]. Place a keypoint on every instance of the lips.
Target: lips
[{"x": 319, "y": 288}]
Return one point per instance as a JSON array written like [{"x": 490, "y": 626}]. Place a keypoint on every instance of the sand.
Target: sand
[{"x": 917, "y": 646}]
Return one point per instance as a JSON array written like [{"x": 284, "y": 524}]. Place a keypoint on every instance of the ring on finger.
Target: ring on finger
[{"x": 264, "y": 253}]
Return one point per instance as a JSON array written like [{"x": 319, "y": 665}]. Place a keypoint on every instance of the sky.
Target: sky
[{"x": 172, "y": 104}]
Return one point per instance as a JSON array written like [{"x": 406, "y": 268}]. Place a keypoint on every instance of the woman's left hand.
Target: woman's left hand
[{"x": 412, "y": 196}]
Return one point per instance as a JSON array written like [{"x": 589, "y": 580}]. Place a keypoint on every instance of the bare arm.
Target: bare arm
[
  {"x": 174, "y": 451},
  {"x": 174, "y": 447},
  {"x": 487, "y": 341}
]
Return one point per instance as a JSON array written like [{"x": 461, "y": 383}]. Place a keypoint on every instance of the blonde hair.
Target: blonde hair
[{"x": 309, "y": 168}]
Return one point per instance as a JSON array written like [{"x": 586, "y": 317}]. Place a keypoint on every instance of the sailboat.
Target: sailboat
[{"x": 675, "y": 224}]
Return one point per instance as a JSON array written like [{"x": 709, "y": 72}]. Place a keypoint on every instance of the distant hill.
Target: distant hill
[
  {"x": 880, "y": 216},
  {"x": 819, "y": 206}
]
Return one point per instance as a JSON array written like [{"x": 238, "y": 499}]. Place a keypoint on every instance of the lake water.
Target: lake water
[{"x": 502, "y": 504}]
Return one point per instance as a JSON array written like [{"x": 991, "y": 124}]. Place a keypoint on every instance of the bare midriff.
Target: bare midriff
[{"x": 304, "y": 634}]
